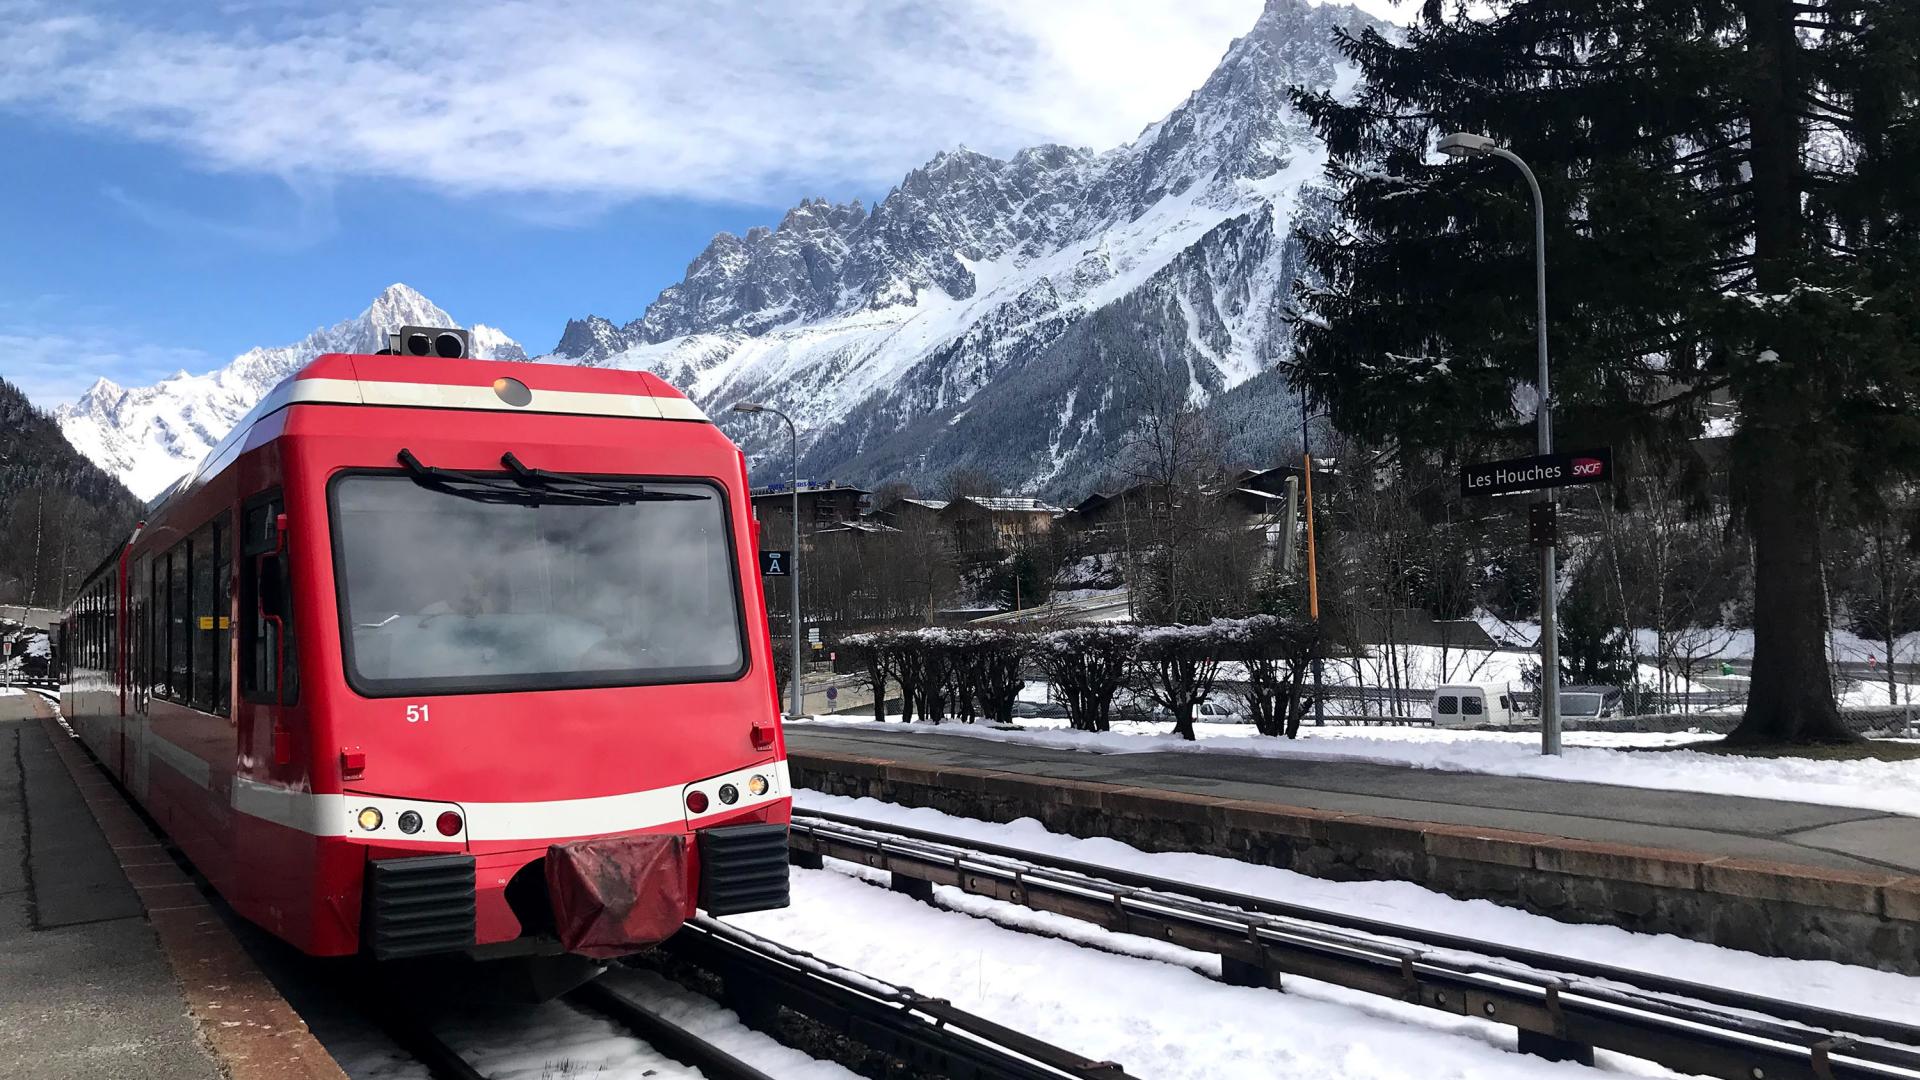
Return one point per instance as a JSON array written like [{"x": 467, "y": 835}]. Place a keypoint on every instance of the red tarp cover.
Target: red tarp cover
[{"x": 617, "y": 894}]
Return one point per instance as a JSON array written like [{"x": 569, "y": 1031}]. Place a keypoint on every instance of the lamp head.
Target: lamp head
[
  {"x": 1465, "y": 144},
  {"x": 748, "y": 406}
]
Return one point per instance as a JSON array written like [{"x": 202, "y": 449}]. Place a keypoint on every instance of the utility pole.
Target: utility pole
[
  {"x": 793, "y": 561},
  {"x": 1462, "y": 145},
  {"x": 1313, "y": 568}
]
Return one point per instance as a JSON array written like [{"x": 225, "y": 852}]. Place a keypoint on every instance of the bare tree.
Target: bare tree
[
  {"x": 1176, "y": 668},
  {"x": 1276, "y": 653},
  {"x": 1086, "y": 665}
]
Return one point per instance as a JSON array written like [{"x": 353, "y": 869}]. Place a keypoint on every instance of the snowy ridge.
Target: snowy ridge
[
  {"x": 1003, "y": 313},
  {"x": 149, "y": 436}
]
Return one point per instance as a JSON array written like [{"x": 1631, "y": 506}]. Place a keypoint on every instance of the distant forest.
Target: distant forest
[{"x": 59, "y": 513}]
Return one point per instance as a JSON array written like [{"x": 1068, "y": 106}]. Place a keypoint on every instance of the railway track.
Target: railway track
[
  {"x": 700, "y": 1057},
  {"x": 762, "y": 980},
  {"x": 1563, "y": 1008}
]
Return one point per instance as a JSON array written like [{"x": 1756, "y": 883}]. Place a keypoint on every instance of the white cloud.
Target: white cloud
[
  {"x": 731, "y": 99},
  {"x": 53, "y": 367}
]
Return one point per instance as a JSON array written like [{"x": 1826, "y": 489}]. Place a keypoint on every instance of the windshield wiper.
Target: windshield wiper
[
  {"x": 617, "y": 490},
  {"x": 483, "y": 489}
]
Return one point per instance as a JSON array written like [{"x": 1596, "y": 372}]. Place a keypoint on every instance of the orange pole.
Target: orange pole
[{"x": 1313, "y": 565}]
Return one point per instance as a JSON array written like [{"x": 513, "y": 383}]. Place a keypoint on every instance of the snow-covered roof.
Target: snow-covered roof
[{"x": 1003, "y": 502}]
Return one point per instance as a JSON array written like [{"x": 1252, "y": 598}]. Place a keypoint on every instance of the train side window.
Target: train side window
[
  {"x": 263, "y": 638},
  {"x": 223, "y": 613},
  {"x": 201, "y": 618},
  {"x": 1449, "y": 705},
  {"x": 157, "y": 627},
  {"x": 179, "y": 618},
  {"x": 1470, "y": 705}
]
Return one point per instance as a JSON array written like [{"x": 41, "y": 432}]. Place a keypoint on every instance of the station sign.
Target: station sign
[
  {"x": 775, "y": 563},
  {"x": 1516, "y": 475}
]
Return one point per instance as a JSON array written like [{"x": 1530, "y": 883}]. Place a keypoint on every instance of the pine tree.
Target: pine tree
[{"x": 1733, "y": 192}]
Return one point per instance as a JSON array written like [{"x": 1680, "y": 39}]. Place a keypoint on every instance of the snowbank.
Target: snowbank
[
  {"x": 1817, "y": 982},
  {"x": 1594, "y": 757},
  {"x": 1156, "y": 1016}
]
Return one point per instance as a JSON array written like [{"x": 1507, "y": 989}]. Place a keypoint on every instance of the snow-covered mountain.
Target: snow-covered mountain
[
  {"x": 149, "y": 435},
  {"x": 1007, "y": 315},
  {"x": 1011, "y": 315}
]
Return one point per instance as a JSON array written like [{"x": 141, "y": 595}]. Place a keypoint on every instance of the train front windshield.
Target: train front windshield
[{"x": 456, "y": 589}]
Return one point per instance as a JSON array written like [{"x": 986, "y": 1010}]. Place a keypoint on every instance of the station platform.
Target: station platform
[
  {"x": 112, "y": 964},
  {"x": 1780, "y": 878},
  {"x": 1830, "y": 837}
]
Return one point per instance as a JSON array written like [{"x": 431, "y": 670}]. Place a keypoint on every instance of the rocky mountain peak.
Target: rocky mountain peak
[
  {"x": 987, "y": 303},
  {"x": 148, "y": 436}
]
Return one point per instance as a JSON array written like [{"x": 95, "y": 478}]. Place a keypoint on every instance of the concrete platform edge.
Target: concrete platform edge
[
  {"x": 253, "y": 1033},
  {"x": 1872, "y": 920}
]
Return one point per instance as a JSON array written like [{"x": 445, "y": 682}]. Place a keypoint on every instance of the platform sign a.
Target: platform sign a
[
  {"x": 775, "y": 563},
  {"x": 1515, "y": 475}
]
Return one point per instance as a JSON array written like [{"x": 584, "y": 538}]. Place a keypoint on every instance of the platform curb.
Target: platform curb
[
  {"x": 1777, "y": 909},
  {"x": 250, "y": 1030}
]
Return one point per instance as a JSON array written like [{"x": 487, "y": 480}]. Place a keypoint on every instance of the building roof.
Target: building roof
[
  {"x": 859, "y": 526},
  {"x": 807, "y": 487},
  {"x": 1009, "y": 503}
]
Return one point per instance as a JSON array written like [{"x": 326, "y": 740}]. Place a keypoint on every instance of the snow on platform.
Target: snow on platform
[{"x": 1590, "y": 756}]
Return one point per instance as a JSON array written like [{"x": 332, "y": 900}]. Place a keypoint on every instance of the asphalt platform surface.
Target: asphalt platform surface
[{"x": 85, "y": 991}]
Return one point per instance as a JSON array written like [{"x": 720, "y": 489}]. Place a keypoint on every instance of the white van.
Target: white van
[{"x": 1472, "y": 704}]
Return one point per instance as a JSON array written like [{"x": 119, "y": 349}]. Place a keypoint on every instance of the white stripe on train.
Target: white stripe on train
[{"x": 334, "y": 815}]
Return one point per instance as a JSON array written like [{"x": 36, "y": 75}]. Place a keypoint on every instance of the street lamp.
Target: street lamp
[
  {"x": 1462, "y": 144},
  {"x": 793, "y": 560}
]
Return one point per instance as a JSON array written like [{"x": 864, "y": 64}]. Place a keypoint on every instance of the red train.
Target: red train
[{"x": 445, "y": 655}]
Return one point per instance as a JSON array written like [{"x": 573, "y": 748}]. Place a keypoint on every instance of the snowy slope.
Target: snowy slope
[
  {"x": 149, "y": 435},
  {"x": 1011, "y": 314}
]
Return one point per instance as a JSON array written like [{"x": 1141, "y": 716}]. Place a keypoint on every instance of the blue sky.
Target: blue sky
[{"x": 184, "y": 181}]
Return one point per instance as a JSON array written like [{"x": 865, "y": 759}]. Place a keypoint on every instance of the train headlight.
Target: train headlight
[
  {"x": 729, "y": 794},
  {"x": 370, "y": 818},
  {"x": 409, "y": 822},
  {"x": 756, "y": 785}
]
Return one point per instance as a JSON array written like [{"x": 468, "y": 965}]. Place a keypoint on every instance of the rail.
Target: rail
[
  {"x": 443, "y": 1062},
  {"x": 1563, "y": 1008},
  {"x": 924, "y": 1034}
]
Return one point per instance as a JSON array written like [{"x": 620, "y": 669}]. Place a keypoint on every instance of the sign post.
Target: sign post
[
  {"x": 1543, "y": 473},
  {"x": 775, "y": 563}
]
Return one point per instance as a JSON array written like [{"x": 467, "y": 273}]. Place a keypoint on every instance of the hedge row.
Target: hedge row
[{"x": 968, "y": 673}]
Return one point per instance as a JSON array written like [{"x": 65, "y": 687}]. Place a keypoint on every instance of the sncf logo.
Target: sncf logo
[{"x": 1586, "y": 466}]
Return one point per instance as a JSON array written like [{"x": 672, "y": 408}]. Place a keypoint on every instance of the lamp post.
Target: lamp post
[
  {"x": 1313, "y": 565},
  {"x": 1463, "y": 144},
  {"x": 793, "y": 561}
]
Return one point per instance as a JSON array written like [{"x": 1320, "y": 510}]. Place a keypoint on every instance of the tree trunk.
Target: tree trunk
[
  {"x": 1791, "y": 697},
  {"x": 1183, "y": 722}
]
